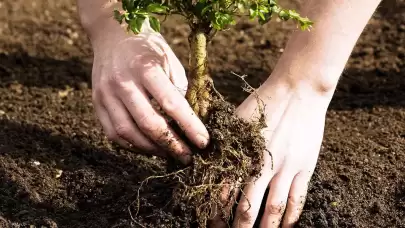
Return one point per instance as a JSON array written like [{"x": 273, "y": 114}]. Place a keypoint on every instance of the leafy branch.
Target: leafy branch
[{"x": 207, "y": 14}]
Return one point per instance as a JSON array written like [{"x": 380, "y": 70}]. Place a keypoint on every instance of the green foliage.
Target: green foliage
[{"x": 207, "y": 14}]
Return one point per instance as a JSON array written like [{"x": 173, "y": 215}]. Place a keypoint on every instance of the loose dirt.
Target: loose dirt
[{"x": 58, "y": 170}]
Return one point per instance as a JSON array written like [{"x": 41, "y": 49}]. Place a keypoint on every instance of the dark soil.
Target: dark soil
[{"x": 58, "y": 170}]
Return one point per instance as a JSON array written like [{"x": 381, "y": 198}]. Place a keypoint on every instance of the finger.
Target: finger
[
  {"x": 176, "y": 72},
  {"x": 153, "y": 124},
  {"x": 228, "y": 199},
  {"x": 172, "y": 66},
  {"x": 105, "y": 121},
  {"x": 174, "y": 104},
  {"x": 276, "y": 200},
  {"x": 252, "y": 196},
  {"x": 125, "y": 128},
  {"x": 296, "y": 199}
]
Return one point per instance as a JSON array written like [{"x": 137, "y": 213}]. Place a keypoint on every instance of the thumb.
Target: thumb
[
  {"x": 177, "y": 73},
  {"x": 173, "y": 68},
  {"x": 171, "y": 64}
]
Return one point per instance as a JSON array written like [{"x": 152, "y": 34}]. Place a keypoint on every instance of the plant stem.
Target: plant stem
[{"x": 200, "y": 83}]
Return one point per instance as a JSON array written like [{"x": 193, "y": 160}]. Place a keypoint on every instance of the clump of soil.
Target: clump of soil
[{"x": 207, "y": 187}]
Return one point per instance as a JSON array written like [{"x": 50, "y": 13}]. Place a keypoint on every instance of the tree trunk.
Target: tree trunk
[{"x": 200, "y": 83}]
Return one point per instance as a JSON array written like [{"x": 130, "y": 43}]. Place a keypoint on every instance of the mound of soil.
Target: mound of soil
[{"x": 58, "y": 170}]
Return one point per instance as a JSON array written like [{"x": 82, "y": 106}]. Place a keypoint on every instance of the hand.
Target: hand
[
  {"x": 294, "y": 134},
  {"x": 130, "y": 71}
]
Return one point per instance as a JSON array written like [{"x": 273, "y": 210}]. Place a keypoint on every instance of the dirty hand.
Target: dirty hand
[
  {"x": 295, "y": 125},
  {"x": 294, "y": 135},
  {"x": 129, "y": 72}
]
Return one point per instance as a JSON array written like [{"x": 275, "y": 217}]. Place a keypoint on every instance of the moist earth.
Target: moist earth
[{"x": 57, "y": 169}]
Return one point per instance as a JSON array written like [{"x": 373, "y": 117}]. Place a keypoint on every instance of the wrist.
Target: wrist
[
  {"x": 279, "y": 93},
  {"x": 311, "y": 81},
  {"x": 97, "y": 19}
]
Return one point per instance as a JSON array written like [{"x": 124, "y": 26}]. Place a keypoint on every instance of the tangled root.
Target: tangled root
[{"x": 235, "y": 153}]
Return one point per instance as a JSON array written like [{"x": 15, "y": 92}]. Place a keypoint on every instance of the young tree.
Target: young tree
[
  {"x": 205, "y": 18},
  {"x": 237, "y": 146}
]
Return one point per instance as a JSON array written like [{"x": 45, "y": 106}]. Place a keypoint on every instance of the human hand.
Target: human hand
[
  {"x": 294, "y": 132},
  {"x": 128, "y": 72}
]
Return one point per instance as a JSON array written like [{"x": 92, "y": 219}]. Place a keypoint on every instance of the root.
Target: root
[
  {"x": 146, "y": 181},
  {"x": 235, "y": 153},
  {"x": 261, "y": 105}
]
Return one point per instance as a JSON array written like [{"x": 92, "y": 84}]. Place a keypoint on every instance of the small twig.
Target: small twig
[
  {"x": 218, "y": 93},
  {"x": 248, "y": 88}
]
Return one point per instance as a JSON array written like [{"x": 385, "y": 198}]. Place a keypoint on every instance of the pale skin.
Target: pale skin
[
  {"x": 128, "y": 71},
  {"x": 297, "y": 95}
]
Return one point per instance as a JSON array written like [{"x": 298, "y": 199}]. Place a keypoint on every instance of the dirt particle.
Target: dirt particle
[
  {"x": 16, "y": 87},
  {"x": 376, "y": 208},
  {"x": 58, "y": 173},
  {"x": 334, "y": 204}
]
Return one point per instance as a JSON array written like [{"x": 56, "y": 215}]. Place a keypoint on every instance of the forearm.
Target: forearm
[{"x": 315, "y": 59}]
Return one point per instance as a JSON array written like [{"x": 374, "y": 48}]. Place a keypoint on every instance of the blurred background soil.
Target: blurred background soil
[{"x": 58, "y": 170}]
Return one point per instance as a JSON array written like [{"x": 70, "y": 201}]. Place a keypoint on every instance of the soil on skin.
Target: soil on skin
[
  {"x": 58, "y": 170},
  {"x": 200, "y": 191}
]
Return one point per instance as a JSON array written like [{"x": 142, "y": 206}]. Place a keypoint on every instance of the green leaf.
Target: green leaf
[
  {"x": 252, "y": 13},
  {"x": 267, "y": 18},
  {"x": 261, "y": 15},
  {"x": 293, "y": 14},
  {"x": 154, "y": 23},
  {"x": 128, "y": 5},
  {"x": 275, "y": 9},
  {"x": 272, "y": 3},
  {"x": 220, "y": 20},
  {"x": 305, "y": 24},
  {"x": 118, "y": 16},
  {"x": 156, "y": 8},
  {"x": 207, "y": 14},
  {"x": 136, "y": 24},
  {"x": 283, "y": 15},
  {"x": 205, "y": 9}
]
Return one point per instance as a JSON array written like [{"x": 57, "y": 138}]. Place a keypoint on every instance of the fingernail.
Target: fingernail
[{"x": 202, "y": 140}]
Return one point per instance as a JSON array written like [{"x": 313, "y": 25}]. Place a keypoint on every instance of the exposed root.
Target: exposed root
[{"x": 234, "y": 154}]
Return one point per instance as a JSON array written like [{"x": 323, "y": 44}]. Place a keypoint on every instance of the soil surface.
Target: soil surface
[{"x": 58, "y": 170}]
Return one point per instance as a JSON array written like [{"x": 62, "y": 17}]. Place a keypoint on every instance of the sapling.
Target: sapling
[
  {"x": 205, "y": 18},
  {"x": 236, "y": 148}
]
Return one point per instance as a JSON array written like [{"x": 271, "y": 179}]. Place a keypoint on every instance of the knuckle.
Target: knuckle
[
  {"x": 123, "y": 131},
  {"x": 296, "y": 201},
  {"x": 147, "y": 61},
  {"x": 101, "y": 91},
  {"x": 115, "y": 77},
  {"x": 272, "y": 209},
  {"x": 112, "y": 78},
  {"x": 225, "y": 195},
  {"x": 245, "y": 214},
  {"x": 126, "y": 88},
  {"x": 170, "y": 105},
  {"x": 148, "y": 124},
  {"x": 112, "y": 136}
]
